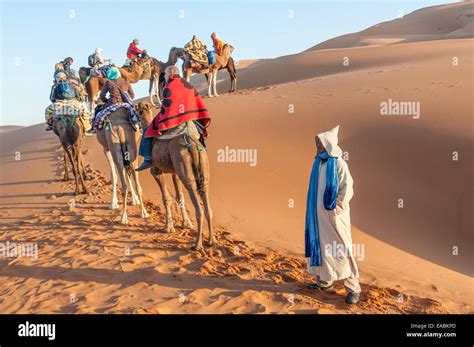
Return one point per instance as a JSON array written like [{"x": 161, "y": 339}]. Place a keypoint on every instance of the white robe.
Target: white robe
[{"x": 335, "y": 228}]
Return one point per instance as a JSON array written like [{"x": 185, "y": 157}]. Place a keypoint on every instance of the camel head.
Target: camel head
[
  {"x": 146, "y": 111},
  {"x": 176, "y": 53},
  {"x": 229, "y": 47},
  {"x": 136, "y": 71}
]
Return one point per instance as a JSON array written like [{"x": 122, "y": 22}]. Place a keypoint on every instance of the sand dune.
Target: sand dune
[
  {"x": 369, "y": 48},
  {"x": 450, "y": 21},
  {"x": 91, "y": 264},
  {"x": 7, "y": 128}
]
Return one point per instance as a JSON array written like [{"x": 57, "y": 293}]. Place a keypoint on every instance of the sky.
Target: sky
[{"x": 35, "y": 35}]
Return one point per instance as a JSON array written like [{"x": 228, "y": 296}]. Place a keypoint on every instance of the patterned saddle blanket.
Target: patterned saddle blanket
[{"x": 133, "y": 116}]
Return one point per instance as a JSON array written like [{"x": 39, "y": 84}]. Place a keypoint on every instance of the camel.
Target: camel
[
  {"x": 70, "y": 131},
  {"x": 191, "y": 166},
  {"x": 119, "y": 142},
  {"x": 94, "y": 84},
  {"x": 155, "y": 73},
  {"x": 134, "y": 74},
  {"x": 222, "y": 62}
]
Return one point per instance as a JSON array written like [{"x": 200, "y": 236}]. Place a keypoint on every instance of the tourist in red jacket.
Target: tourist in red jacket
[{"x": 132, "y": 52}]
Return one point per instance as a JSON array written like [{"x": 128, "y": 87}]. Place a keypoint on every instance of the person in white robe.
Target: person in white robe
[{"x": 336, "y": 256}]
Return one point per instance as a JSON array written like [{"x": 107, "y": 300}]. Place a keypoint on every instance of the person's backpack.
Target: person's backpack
[
  {"x": 91, "y": 60},
  {"x": 64, "y": 91}
]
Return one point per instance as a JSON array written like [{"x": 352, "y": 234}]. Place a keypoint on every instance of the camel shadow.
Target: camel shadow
[
  {"x": 151, "y": 276},
  {"x": 25, "y": 182}
]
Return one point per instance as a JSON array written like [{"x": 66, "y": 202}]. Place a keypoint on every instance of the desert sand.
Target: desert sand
[{"x": 89, "y": 263}]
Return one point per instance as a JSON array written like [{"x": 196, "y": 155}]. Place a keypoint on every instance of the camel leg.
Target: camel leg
[
  {"x": 165, "y": 196},
  {"x": 214, "y": 82},
  {"x": 182, "y": 205},
  {"x": 150, "y": 90},
  {"x": 113, "y": 176},
  {"x": 233, "y": 75},
  {"x": 158, "y": 89},
  {"x": 124, "y": 189},
  {"x": 66, "y": 167},
  {"x": 136, "y": 183},
  {"x": 133, "y": 193},
  {"x": 209, "y": 87},
  {"x": 83, "y": 169},
  {"x": 208, "y": 213},
  {"x": 193, "y": 194},
  {"x": 80, "y": 168},
  {"x": 186, "y": 73},
  {"x": 72, "y": 160}
]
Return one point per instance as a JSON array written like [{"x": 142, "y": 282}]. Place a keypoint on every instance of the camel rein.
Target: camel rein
[
  {"x": 72, "y": 120},
  {"x": 188, "y": 144}
]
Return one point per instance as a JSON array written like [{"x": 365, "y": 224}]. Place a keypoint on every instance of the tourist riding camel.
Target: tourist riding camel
[
  {"x": 117, "y": 132},
  {"x": 98, "y": 64},
  {"x": 217, "y": 59},
  {"x": 182, "y": 112},
  {"x": 72, "y": 76},
  {"x": 217, "y": 44},
  {"x": 64, "y": 95},
  {"x": 178, "y": 150},
  {"x": 67, "y": 63},
  {"x": 133, "y": 52},
  {"x": 120, "y": 95},
  {"x": 115, "y": 85}
]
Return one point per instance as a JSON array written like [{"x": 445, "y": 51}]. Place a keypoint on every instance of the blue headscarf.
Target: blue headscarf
[
  {"x": 113, "y": 73},
  {"x": 312, "y": 246}
]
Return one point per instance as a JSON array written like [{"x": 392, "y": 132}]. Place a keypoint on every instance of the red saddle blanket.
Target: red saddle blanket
[{"x": 181, "y": 103}]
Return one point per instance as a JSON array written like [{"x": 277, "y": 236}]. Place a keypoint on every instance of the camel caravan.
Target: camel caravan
[{"x": 98, "y": 101}]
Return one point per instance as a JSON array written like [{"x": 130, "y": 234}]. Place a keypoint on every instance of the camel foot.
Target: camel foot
[
  {"x": 210, "y": 96},
  {"x": 197, "y": 247},
  {"x": 135, "y": 200},
  {"x": 124, "y": 219},
  {"x": 145, "y": 214},
  {"x": 169, "y": 229},
  {"x": 216, "y": 95},
  {"x": 187, "y": 224},
  {"x": 212, "y": 241},
  {"x": 65, "y": 179}
]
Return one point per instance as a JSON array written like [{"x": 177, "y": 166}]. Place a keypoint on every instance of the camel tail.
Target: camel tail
[
  {"x": 125, "y": 155},
  {"x": 126, "y": 159},
  {"x": 72, "y": 134}
]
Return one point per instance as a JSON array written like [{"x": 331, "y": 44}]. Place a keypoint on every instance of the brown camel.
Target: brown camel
[
  {"x": 119, "y": 142},
  {"x": 224, "y": 61},
  {"x": 70, "y": 131},
  {"x": 156, "y": 71},
  {"x": 191, "y": 166},
  {"x": 94, "y": 84}
]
